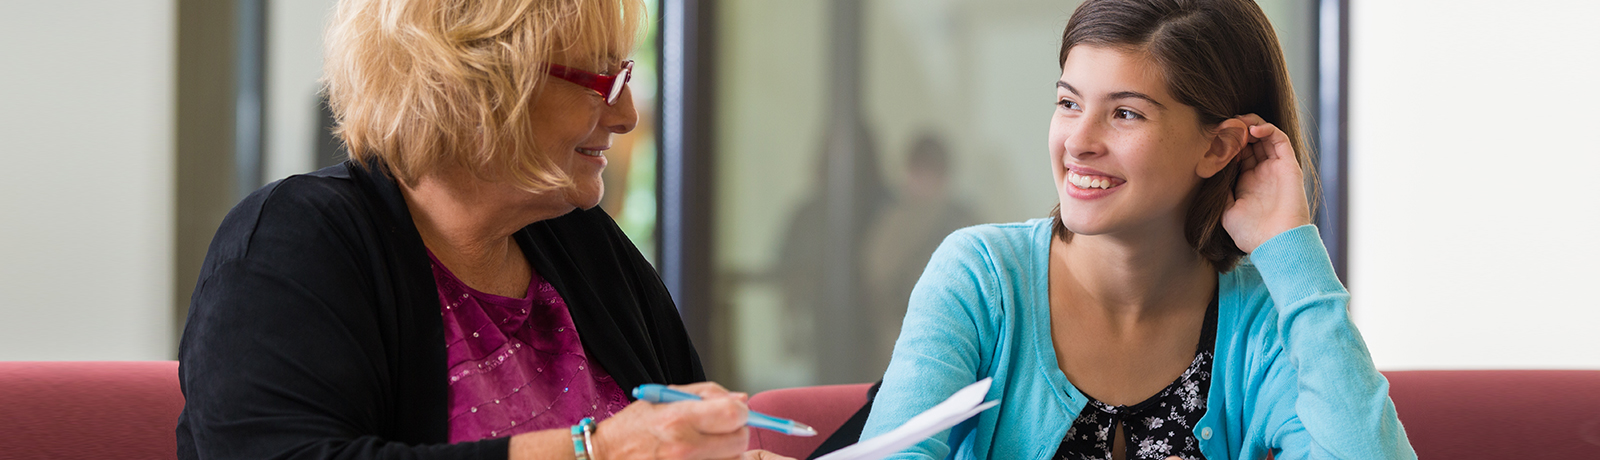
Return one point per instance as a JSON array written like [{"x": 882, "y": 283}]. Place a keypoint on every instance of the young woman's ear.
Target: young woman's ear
[{"x": 1228, "y": 139}]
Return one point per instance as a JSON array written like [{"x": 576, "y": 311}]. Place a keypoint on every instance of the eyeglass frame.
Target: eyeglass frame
[{"x": 608, "y": 87}]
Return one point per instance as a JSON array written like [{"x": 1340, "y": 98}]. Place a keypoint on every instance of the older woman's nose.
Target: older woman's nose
[{"x": 622, "y": 117}]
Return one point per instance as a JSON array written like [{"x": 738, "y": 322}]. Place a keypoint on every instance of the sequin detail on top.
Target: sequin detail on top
[{"x": 517, "y": 365}]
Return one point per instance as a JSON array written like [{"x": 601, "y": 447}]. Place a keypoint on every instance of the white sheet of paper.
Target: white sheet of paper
[{"x": 960, "y": 406}]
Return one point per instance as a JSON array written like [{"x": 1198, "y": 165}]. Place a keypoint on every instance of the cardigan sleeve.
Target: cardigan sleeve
[
  {"x": 940, "y": 347},
  {"x": 1327, "y": 398},
  {"x": 284, "y": 352}
]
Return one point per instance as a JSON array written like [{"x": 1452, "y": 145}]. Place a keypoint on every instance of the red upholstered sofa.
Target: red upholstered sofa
[
  {"x": 129, "y": 410},
  {"x": 1461, "y": 415},
  {"x": 89, "y": 410}
]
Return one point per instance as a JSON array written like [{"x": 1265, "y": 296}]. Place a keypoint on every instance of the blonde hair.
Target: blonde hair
[{"x": 421, "y": 84}]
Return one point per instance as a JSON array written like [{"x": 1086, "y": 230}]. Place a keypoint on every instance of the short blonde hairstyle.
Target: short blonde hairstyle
[{"x": 421, "y": 84}]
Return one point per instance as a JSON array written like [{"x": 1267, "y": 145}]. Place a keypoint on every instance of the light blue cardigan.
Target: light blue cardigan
[{"x": 1291, "y": 375}]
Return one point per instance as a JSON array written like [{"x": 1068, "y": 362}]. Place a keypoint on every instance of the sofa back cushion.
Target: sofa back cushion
[
  {"x": 1495, "y": 414},
  {"x": 84, "y": 409}
]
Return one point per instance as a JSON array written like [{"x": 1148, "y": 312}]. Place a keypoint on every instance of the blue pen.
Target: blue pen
[{"x": 661, "y": 394}]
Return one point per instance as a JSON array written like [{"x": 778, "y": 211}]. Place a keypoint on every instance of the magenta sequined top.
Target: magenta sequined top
[{"x": 517, "y": 365}]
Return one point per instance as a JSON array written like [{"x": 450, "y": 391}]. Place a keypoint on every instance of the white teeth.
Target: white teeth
[
  {"x": 1088, "y": 182},
  {"x": 592, "y": 153}
]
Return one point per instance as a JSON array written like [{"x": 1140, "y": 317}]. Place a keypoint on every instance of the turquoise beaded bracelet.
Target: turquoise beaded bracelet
[{"x": 582, "y": 446}]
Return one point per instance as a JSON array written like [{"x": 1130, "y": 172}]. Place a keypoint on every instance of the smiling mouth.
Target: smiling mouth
[
  {"x": 1091, "y": 182},
  {"x": 591, "y": 152}
]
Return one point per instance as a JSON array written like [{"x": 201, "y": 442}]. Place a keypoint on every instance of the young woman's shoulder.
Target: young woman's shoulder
[
  {"x": 1286, "y": 273},
  {"x": 1245, "y": 306},
  {"x": 1244, "y": 285},
  {"x": 1004, "y": 242}
]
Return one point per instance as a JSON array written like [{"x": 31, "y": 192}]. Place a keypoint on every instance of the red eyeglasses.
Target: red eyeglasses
[{"x": 607, "y": 86}]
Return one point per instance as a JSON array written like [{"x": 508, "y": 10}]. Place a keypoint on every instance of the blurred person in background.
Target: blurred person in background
[
  {"x": 902, "y": 238},
  {"x": 451, "y": 291},
  {"x": 817, "y": 327},
  {"x": 1129, "y": 324}
]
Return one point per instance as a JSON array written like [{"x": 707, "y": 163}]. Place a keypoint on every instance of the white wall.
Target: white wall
[
  {"x": 86, "y": 186},
  {"x": 1475, "y": 206}
]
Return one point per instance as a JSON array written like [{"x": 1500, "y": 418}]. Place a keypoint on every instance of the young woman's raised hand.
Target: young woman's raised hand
[{"x": 1270, "y": 197}]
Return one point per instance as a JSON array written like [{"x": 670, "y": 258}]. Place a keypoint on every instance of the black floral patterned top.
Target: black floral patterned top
[{"x": 1157, "y": 428}]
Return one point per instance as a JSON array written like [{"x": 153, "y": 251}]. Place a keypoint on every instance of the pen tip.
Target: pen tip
[{"x": 801, "y": 429}]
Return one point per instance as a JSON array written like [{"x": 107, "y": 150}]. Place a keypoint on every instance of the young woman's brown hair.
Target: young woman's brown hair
[{"x": 1220, "y": 57}]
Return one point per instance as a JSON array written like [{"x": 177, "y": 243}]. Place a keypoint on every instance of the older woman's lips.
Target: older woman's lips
[{"x": 600, "y": 152}]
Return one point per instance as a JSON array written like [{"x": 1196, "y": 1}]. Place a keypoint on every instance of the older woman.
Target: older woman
[{"x": 451, "y": 291}]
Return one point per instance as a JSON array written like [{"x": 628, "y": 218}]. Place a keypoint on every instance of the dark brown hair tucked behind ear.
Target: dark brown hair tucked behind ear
[{"x": 1220, "y": 57}]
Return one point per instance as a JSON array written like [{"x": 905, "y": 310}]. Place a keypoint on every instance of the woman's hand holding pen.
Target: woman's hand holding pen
[
  {"x": 712, "y": 428},
  {"x": 1270, "y": 197}
]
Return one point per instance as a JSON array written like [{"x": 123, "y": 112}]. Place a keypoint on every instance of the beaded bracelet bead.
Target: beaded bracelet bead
[
  {"x": 588, "y": 433},
  {"x": 582, "y": 445}
]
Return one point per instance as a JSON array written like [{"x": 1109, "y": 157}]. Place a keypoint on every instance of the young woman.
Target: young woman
[{"x": 1130, "y": 324}]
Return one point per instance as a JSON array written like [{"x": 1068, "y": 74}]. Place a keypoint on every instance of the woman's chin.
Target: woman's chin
[
  {"x": 586, "y": 199},
  {"x": 584, "y": 204},
  {"x": 1084, "y": 225}
]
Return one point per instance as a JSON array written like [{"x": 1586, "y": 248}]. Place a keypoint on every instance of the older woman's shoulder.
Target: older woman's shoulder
[
  {"x": 294, "y": 211},
  {"x": 330, "y": 187}
]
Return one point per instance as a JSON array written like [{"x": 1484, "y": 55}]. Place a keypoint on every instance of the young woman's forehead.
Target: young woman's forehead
[{"x": 1095, "y": 71}]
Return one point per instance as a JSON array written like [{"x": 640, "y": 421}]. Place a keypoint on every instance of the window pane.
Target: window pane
[{"x": 955, "y": 99}]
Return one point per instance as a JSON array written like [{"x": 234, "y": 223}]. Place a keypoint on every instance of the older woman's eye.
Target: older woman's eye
[
  {"x": 1126, "y": 114},
  {"x": 1067, "y": 104}
]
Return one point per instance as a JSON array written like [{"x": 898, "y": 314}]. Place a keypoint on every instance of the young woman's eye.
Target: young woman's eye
[
  {"x": 1126, "y": 114},
  {"x": 1067, "y": 104}
]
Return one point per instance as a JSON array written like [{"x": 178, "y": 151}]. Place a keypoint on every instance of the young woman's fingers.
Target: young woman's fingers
[
  {"x": 1251, "y": 120},
  {"x": 1274, "y": 138},
  {"x": 1247, "y": 159}
]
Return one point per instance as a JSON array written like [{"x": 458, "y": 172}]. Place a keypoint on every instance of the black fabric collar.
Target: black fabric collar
[
  {"x": 420, "y": 362},
  {"x": 600, "y": 328}
]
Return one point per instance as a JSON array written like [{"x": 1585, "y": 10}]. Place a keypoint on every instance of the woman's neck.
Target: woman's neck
[
  {"x": 1132, "y": 277},
  {"x": 467, "y": 224}
]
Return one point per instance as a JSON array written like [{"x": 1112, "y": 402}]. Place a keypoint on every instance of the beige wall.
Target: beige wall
[{"x": 86, "y": 179}]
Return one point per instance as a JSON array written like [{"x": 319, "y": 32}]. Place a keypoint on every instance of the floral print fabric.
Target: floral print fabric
[{"x": 1159, "y": 427}]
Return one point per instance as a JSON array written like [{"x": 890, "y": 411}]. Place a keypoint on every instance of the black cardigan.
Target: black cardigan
[{"x": 315, "y": 331}]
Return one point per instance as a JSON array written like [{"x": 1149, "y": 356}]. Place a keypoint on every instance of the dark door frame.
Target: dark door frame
[{"x": 685, "y": 165}]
